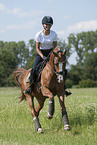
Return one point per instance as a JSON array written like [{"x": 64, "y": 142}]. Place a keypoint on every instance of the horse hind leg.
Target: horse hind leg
[
  {"x": 37, "y": 125},
  {"x": 30, "y": 100},
  {"x": 40, "y": 104}
]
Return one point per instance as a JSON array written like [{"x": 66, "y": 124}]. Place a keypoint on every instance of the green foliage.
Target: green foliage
[
  {"x": 11, "y": 81},
  {"x": 86, "y": 83},
  {"x": 7, "y": 65},
  {"x": 90, "y": 66},
  {"x": 33, "y": 52},
  {"x": 83, "y": 43},
  {"x": 69, "y": 83},
  {"x": 75, "y": 74},
  {"x": 22, "y": 53},
  {"x": 12, "y": 55}
]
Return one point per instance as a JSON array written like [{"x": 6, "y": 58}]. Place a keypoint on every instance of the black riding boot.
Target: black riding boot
[
  {"x": 67, "y": 92},
  {"x": 31, "y": 85}
]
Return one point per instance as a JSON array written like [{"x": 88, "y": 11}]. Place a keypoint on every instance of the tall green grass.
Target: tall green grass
[{"x": 17, "y": 127}]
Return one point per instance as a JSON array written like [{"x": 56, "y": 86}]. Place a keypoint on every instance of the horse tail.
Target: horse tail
[{"x": 18, "y": 76}]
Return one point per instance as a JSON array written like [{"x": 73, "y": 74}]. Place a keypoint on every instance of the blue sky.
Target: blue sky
[{"x": 21, "y": 19}]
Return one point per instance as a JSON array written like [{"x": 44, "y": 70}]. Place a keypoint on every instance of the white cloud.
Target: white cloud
[
  {"x": 78, "y": 28},
  {"x": 2, "y": 7},
  {"x": 20, "y": 13},
  {"x": 28, "y": 25},
  {"x": 61, "y": 33},
  {"x": 82, "y": 26},
  {"x": 2, "y": 31},
  {"x": 66, "y": 17}
]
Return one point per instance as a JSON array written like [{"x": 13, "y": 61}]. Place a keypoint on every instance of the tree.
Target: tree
[
  {"x": 90, "y": 67},
  {"x": 1, "y": 44},
  {"x": 22, "y": 53},
  {"x": 75, "y": 74},
  {"x": 83, "y": 43},
  {"x": 12, "y": 55},
  {"x": 7, "y": 65},
  {"x": 33, "y": 52}
]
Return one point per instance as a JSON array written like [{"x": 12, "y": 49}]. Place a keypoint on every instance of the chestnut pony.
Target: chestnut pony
[{"x": 52, "y": 84}]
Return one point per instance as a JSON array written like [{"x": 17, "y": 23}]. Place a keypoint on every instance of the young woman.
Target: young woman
[{"x": 46, "y": 41}]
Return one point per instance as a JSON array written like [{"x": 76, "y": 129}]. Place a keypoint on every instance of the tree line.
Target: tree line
[{"x": 83, "y": 74}]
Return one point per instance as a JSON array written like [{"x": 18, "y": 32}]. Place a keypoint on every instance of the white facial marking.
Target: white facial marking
[
  {"x": 60, "y": 66},
  {"x": 60, "y": 78}
]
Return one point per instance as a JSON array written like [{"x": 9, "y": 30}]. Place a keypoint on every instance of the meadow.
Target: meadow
[{"x": 17, "y": 127}]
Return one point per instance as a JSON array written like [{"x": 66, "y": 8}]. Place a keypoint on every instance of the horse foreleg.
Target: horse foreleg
[
  {"x": 51, "y": 109},
  {"x": 34, "y": 113},
  {"x": 47, "y": 92},
  {"x": 64, "y": 113}
]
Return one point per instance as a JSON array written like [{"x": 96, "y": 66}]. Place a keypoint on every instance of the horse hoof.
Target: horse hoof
[
  {"x": 49, "y": 116},
  {"x": 39, "y": 130},
  {"x": 67, "y": 127}
]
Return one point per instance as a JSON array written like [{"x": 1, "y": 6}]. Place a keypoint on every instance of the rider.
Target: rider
[{"x": 46, "y": 41}]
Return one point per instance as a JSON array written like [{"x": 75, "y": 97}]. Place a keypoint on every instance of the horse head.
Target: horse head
[{"x": 59, "y": 63}]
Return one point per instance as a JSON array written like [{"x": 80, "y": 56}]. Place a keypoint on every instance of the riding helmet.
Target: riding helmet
[{"x": 47, "y": 20}]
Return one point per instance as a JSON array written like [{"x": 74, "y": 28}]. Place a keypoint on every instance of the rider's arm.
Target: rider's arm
[{"x": 38, "y": 49}]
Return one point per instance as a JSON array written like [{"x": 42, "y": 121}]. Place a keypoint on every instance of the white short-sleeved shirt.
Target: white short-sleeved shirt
[{"x": 46, "y": 42}]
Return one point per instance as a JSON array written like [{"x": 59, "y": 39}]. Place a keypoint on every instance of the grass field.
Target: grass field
[{"x": 17, "y": 127}]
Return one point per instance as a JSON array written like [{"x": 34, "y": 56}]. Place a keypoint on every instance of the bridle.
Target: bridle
[{"x": 54, "y": 70}]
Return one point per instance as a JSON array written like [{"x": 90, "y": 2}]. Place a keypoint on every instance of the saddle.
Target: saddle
[
  {"x": 39, "y": 69},
  {"x": 37, "y": 73}
]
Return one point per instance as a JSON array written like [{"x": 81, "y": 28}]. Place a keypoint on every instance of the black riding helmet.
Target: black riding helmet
[{"x": 47, "y": 20}]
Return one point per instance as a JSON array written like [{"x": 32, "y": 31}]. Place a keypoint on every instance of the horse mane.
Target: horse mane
[{"x": 18, "y": 75}]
